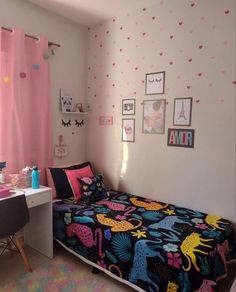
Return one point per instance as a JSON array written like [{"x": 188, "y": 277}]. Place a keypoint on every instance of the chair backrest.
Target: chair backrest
[{"x": 14, "y": 214}]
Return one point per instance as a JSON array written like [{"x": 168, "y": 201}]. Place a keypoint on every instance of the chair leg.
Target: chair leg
[
  {"x": 10, "y": 245},
  {"x": 22, "y": 252}
]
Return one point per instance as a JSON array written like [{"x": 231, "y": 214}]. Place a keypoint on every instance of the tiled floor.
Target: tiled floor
[{"x": 12, "y": 266}]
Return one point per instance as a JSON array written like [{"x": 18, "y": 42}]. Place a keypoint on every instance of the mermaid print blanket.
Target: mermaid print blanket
[{"x": 153, "y": 245}]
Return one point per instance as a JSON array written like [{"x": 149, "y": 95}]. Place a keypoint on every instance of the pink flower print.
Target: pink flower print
[
  {"x": 101, "y": 264},
  {"x": 87, "y": 180},
  {"x": 174, "y": 259},
  {"x": 120, "y": 217},
  {"x": 201, "y": 226}
]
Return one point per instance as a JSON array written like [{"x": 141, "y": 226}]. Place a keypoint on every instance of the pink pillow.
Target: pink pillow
[{"x": 73, "y": 175}]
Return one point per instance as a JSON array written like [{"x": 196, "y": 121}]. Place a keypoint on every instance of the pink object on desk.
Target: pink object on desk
[{"x": 4, "y": 191}]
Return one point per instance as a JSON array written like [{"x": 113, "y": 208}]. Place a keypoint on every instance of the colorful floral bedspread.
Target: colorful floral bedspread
[{"x": 155, "y": 246}]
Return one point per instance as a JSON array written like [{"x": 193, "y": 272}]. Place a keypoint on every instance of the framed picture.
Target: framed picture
[
  {"x": 182, "y": 111},
  {"x": 181, "y": 138},
  {"x": 155, "y": 83},
  {"x": 67, "y": 101},
  {"x": 154, "y": 116},
  {"x": 128, "y": 130},
  {"x": 128, "y": 106},
  {"x": 106, "y": 120}
]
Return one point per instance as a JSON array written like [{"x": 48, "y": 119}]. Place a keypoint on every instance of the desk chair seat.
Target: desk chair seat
[{"x": 14, "y": 215}]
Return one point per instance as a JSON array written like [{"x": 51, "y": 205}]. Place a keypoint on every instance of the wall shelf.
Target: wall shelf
[{"x": 75, "y": 113}]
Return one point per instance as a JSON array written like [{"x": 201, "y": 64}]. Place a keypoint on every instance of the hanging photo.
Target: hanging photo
[
  {"x": 180, "y": 138},
  {"x": 128, "y": 106},
  {"x": 182, "y": 111},
  {"x": 154, "y": 116},
  {"x": 155, "y": 83},
  {"x": 128, "y": 130},
  {"x": 67, "y": 102},
  {"x": 106, "y": 120}
]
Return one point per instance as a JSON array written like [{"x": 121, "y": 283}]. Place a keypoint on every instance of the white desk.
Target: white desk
[{"x": 38, "y": 232}]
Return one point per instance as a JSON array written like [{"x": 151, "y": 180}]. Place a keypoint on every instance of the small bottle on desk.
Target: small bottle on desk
[{"x": 35, "y": 178}]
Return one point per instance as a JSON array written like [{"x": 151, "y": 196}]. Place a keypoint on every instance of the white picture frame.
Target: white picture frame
[{"x": 155, "y": 83}]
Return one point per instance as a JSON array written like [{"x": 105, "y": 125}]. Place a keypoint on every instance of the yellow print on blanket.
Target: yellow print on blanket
[
  {"x": 214, "y": 221},
  {"x": 151, "y": 206},
  {"x": 190, "y": 245},
  {"x": 118, "y": 226},
  {"x": 172, "y": 287}
]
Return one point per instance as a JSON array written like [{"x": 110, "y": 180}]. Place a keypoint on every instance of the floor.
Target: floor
[{"x": 12, "y": 266}]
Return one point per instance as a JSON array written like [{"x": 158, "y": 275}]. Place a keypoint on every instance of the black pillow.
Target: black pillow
[
  {"x": 61, "y": 182},
  {"x": 92, "y": 189}
]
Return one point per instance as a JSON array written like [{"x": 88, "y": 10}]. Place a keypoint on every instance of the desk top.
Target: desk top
[{"x": 27, "y": 192}]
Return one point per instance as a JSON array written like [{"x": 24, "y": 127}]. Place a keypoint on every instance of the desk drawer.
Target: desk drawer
[{"x": 38, "y": 199}]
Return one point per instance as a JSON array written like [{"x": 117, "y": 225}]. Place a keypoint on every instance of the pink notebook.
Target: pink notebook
[{"x": 4, "y": 191}]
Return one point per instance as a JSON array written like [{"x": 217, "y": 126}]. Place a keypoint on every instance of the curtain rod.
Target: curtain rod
[{"x": 32, "y": 37}]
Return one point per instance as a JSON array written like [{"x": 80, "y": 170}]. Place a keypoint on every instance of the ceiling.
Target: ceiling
[{"x": 90, "y": 12}]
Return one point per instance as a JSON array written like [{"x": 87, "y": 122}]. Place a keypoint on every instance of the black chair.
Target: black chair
[{"x": 14, "y": 215}]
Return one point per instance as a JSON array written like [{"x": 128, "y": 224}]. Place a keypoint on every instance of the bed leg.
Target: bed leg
[{"x": 95, "y": 271}]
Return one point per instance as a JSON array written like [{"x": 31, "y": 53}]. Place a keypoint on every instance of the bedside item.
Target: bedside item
[
  {"x": 4, "y": 191},
  {"x": 35, "y": 178},
  {"x": 20, "y": 180},
  {"x": 2, "y": 176}
]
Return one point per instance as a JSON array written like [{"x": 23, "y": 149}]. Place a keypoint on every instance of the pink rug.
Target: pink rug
[{"x": 60, "y": 276}]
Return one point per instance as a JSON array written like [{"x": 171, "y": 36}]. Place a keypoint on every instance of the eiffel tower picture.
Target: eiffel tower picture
[{"x": 182, "y": 111}]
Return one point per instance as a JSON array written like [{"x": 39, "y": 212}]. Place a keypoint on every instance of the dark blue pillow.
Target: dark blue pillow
[
  {"x": 92, "y": 189},
  {"x": 61, "y": 182}
]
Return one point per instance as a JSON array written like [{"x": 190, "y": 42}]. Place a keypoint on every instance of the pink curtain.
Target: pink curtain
[{"x": 25, "y": 116}]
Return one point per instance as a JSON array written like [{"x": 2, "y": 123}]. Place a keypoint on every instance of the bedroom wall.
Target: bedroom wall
[
  {"x": 194, "y": 43},
  {"x": 68, "y": 65}
]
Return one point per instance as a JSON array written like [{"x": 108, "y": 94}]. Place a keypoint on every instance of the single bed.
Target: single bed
[{"x": 149, "y": 245}]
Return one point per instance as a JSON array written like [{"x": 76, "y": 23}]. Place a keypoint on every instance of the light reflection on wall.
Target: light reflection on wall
[{"x": 125, "y": 158}]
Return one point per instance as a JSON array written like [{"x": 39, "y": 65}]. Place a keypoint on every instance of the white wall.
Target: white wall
[
  {"x": 68, "y": 65},
  {"x": 120, "y": 55},
  {"x": 121, "y": 52}
]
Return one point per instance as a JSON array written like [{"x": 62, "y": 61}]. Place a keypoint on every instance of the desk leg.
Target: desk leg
[{"x": 38, "y": 232}]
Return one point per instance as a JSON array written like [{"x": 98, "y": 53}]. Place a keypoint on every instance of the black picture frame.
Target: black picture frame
[
  {"x": 182, "y": 115},
  {"x": 181, "y": 137},
  {"x": 128, "y": 130},
  {"x": 154, "y": 113},
  {"x": 155, "y": 83},
  {"x": 128, "y": 106}
]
